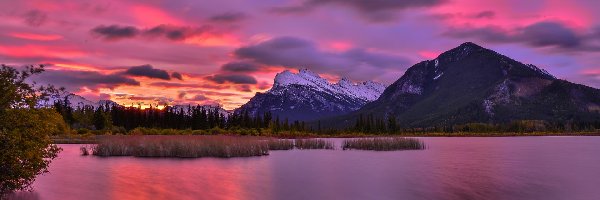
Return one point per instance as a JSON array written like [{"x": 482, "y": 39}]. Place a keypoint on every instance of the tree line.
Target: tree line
[
  {"x": 112, "y": 116},
  {"x": 390, "y": 125}
]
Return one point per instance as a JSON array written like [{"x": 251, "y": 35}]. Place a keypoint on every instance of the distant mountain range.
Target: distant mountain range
[
  {"x": 79, "y": 101},
  {"x": 466, "y": 84},
  {"x": 473, "y": 84},
  {"x": 74, "y": 100},
  {"x": 306, "y": 96}
]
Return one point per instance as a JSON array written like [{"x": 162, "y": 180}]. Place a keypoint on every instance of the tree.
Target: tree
[{"x": 25, "y": 145}]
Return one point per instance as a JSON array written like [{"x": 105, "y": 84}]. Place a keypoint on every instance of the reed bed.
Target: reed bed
[
  {"x": 280, "y": 144},
  {"x": 313, "y": 144},
  {"x": 181, "y": 146},
  {"x": 85, "y": 150},
  {"x": 383, "y": 144}
]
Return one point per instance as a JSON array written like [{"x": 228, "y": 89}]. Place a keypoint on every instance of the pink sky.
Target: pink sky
[{"x": 222, "y": 52}]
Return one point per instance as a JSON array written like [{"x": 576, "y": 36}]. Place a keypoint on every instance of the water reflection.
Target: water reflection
[{"x": 452, "y": 168}]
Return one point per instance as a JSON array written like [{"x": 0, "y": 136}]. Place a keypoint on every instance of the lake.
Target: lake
[{"x": 451, "y": 168}]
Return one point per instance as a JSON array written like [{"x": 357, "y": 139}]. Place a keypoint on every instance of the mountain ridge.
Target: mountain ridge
[
  {"x": 307, "y": 96},
  {"x": 470, "y": 83}
]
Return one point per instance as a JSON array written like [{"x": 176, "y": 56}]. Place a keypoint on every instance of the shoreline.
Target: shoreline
[{"x": 92, "y": 139}]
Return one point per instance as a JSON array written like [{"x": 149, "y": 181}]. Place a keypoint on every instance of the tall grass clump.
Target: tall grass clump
[
  {"x": 85, "y": 150},
  {"x": 183, "y": 146},
  {"x": 280, "y": 144},
  {"x": 313, "y": 144},
  {"x": 383, "y": 144}
]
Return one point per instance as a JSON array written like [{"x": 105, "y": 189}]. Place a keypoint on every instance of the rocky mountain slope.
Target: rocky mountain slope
[
  {"x": 307, "y": 96},
  {"x": 472, "y": 84}
]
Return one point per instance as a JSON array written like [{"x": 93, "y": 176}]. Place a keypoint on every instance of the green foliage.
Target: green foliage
[
  {"x": 25, "y": 146},
  {"x": 16, "y": 92}
]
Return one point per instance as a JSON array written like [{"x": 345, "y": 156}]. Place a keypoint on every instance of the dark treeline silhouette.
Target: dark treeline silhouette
[
  {"x": 376, "y": 125},
  {"x": 118, "y": 118},
  {"x": 113, "y": 116}
]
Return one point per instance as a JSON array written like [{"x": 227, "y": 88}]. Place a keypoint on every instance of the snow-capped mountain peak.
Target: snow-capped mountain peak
[
  {"x": 305, "y": 95},
  {"x": 367, "y": 90}
]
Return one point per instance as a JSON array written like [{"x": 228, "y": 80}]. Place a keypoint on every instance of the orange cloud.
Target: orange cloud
[
  {"x": 214, "y": 40},
  {"x": 33, "y": 36}
]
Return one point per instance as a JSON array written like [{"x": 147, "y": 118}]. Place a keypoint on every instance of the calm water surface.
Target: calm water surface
[{"x": 451, "y": 168}]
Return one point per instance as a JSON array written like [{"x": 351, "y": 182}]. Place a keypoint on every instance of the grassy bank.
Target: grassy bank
[
  {"x": 92, "y": 139},
  {"x": 383, "y": 144}
]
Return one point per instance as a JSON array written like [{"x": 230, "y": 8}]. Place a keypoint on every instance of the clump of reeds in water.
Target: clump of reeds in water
[
  {"x": 280, "y": 144},
  {"x": 383, "y": 144},
  {"x": 85, "y": 150},
  {"x": 313, "y": 144},
  {"x": 181, "y": 146}
]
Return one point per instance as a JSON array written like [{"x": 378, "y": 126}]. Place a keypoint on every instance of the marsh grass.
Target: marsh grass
[
  {"x": 313, "y": 144},
  {"x": 280, "y": 144},
  {"x": 85, "y": 150},
  {"x": 181, "y": 146},
  {"x": 383, "y": 144}
]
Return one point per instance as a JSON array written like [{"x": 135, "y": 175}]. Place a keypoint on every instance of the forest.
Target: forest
[{"x": 197, "y": 120}]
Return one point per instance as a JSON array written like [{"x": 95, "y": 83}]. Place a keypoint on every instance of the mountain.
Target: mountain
[
  {"x": 79, "y": 101},
  {"x": 74, "y": 100},
  {"x": 306, "y": 96},
  {"x": 473, "y": 84}
]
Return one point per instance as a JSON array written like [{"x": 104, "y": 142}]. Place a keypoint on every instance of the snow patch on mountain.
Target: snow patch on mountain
[{"x": 368, "y": 90}]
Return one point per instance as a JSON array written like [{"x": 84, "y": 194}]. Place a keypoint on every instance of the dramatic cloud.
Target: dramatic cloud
[
  {"x": 541, "y": 34},
  {"x": 35, "y": 18},
  {"x": 240, "y": 67},
  {"x": 148, "y": 71},
  {"x": 232, "y": 78},
  {"x": 372, "y": 10},
  {"x": 228, "y": 17},
  {"x": 175, "y": 33},
  {"x": 75, "y": 80},
  {"x": 177, "y": 75},
  {"x": 298, "y": 53},
  {"x": 243, "y": 42},
  {"x": 115, "y": 32},
  {"x": 175, "y": 85},
  {"x": 199, "y": 98}
]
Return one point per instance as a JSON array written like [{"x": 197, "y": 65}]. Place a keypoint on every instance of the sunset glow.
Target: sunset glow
[{"x": 89, "y": 47}]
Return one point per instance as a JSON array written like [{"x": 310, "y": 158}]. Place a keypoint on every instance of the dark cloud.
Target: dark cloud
[
  {"x": 177, "y": 75},
  {"x": 550, "y": 34},
  {"x": 243, "y": 88},
  {"x": 299, "y": 53},
  {"x": 148, "y": 71},
  {"x": 75, "y": 80},
  {"x": 181, "y": 95},
  {"x": 228, "y": 17},
  {"x": 35, "y": 18},
  {"x": 115, "y": 32},
  {"x": 371, "y": 10},
  {"x": 211, "y": 93},
  {"x": 485, "y": 14},
  {"x": 541, "y": 34},
  {"x": 174, "y": 85},
  {"x": 199, "y": 98},
  {"x": 240, "y": 67},
  {"x": 175, "y": 33},
  {"x": 232, "y": 78}
]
